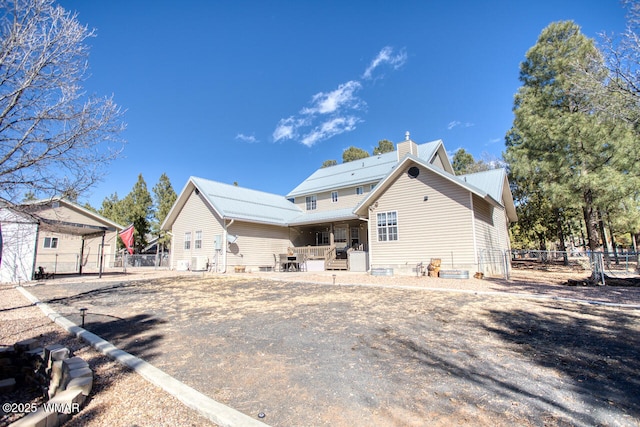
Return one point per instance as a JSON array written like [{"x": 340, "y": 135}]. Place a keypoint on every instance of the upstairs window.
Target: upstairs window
[
  {"x": 50, "y": 242},
  {"x": 187, "y": 240},
  {"x": 334, "y": 196},
  {"x": 311, "y": 202},
  {"x": 359, "y": 190},
  {"x": 387, "y": 226}
]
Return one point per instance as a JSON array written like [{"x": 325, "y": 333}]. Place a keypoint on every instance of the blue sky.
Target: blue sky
[{"x": 262, "y": 92}]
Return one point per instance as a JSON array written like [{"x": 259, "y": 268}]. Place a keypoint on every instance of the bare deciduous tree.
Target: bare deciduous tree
[{"x": 54, "y": 139}]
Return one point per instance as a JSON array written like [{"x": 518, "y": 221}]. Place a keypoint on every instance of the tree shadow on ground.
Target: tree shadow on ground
[
  {"x": 133, "y": 334},
  {"x": 596, "y": 349}
]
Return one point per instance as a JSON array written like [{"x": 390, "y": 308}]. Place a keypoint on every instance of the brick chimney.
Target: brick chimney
[{"x": 406, "y": 147}]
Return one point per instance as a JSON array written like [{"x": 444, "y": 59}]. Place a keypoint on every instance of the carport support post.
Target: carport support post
[
  {"x": 81, "y": 256},
  {"x": 101, "y": 256}
]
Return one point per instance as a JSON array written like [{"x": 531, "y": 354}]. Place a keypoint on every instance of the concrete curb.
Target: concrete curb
[{"x": 215, "y": 411}]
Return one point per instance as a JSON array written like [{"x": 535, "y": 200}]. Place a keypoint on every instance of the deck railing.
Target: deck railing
[{"x": 314, "y": 252}]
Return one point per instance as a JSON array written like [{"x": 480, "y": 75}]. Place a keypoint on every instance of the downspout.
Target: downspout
[
  {"x": 475, "y": 237},
  {"x": 224, "y": 245}
]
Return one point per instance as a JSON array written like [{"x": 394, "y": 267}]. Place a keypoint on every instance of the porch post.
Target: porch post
[
  {"x": 331, "y": 236},
  {"x": 101, "y": 256},
  {"x": 81, "y": 257}
]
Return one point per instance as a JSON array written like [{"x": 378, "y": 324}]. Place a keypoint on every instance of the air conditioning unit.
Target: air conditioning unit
[
  {"x": 199, "y": 263},
  {"x": 182, "y": 265}
]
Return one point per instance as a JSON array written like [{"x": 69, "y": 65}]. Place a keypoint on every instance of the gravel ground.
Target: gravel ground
[
  {"x": 306, "y": 354},
  {"x": 119, "y": 396}
]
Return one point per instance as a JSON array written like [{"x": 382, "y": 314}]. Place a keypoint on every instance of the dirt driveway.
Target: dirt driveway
[{"x": 309, "y": 354}]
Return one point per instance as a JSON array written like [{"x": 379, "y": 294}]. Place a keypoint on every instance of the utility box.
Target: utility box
[
  {"x": 358, "y": 261},
  {"x": 217, "y": 242}
]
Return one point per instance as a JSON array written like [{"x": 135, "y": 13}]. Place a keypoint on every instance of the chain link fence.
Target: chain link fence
[{"x": 602, "y": 265}]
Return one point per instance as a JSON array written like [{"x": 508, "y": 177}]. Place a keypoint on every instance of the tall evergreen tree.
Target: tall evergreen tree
[
  {"x": 558, "y": 141},
  {"x": 164, "y": 198},
  {"x": 353, "y": 153},
  {"x": 384, "y": 146},
  {"x": 139, "y": 211}
]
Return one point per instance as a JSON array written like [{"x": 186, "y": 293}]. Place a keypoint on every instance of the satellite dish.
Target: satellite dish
[{"x": 231, "y": 238}]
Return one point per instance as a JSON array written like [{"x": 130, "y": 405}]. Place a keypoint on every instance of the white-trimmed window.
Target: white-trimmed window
[
  {"x": 340, "y": 235},
  {"x": 187, "y": 240},
  {"x": 322, "y": 238},
  {"x": 372, "y": 187},
  {"x": 50, "y": 242},
  {"x": 359, "y": 190},
  {"x": 198, "y": 240},
  {"x": 334, "y": 196},
  {"x": 311, "y": 202},
  {"x": 387, "y": 226}
]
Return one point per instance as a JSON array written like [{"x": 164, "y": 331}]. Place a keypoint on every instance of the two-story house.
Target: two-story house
[{"x": 399, "y": 209}]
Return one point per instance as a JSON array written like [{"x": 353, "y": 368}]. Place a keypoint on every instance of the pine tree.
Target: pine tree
[
  {"x": 139, "y": 211},
  {"x": 571, "y": 152},
  {"x": 384, "y": 146},
  {"x": 353, "y": 153},
  {"x": 164, "y": 198}
]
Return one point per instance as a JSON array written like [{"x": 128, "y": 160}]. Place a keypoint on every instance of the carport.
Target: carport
[{"x": 85, "y": 231}]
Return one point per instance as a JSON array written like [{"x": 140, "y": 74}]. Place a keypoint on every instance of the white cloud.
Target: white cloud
[
  {"x": 343, "y": 97},
  {"x": 334, "y": 112},
  {"x": 330, "y": 128},
  {"x": 457, "y": 123},
  {"x": 453, "y": 124},
  {"x": 246, "y": 138},
  {"x": 386, "y": 56}
]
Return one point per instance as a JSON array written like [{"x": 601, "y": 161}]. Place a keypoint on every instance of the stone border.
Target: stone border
[
  {"x": 220, "y": 414},
  {"x": 66, "y": 381}
]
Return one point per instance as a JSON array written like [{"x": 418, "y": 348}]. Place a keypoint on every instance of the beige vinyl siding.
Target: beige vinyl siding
[
  {"x": 195, "y": 215},
  {"x": 426, "y": 229},
  {"x": 257, "y": 244},
  {"x": 67, "y": 214},
  {"x": 486, "y": 233},
  {"x": 502, "y": 224},
  {"x": 347, "y": 198},
  {"x": 491, "y": 226}
]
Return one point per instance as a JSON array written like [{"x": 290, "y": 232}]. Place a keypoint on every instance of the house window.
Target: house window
[
  {"x": 187, "y": 240},
  {"x": 340, "y": 235},
  {"x": 359, "y": 190},
  {"x": 198, "y": 242},
  {"x": 50, "y": 242},
  {"x": 322, "y": 238},
  {"x": 334, "y": 196},
  {"x": 372, "y": 187},
  {"x": 387, "y": 226},
  {"x": 311, "y": 202}
]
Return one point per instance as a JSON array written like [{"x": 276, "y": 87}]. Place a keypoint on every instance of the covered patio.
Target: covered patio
[{"x": 327, "y": 245}]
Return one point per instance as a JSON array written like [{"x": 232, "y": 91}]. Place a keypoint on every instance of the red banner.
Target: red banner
[{"x": 127, "y": 238}]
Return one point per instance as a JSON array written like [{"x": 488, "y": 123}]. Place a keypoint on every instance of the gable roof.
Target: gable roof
[
  {"x": 496, "y": 184},
  {"x": 233, "y": 202},
  {"x": 34, "y": 207},
  {"x": 410, "y": 159},
  {"x": 368, "y": 170}
]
